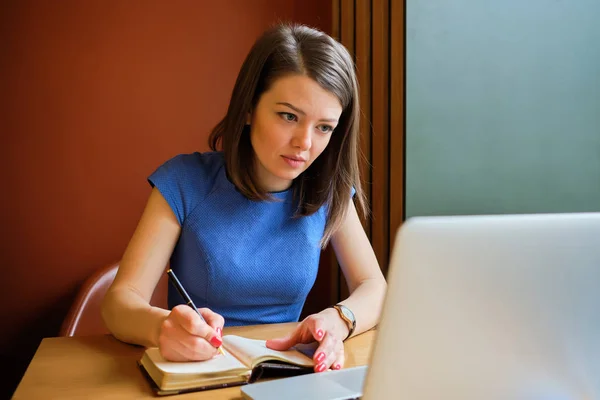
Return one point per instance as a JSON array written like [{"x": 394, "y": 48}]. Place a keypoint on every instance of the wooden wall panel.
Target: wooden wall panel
[
  {"x": 380, "y": 115},
  {"x": 373, "y": 32},
  {"x": 397, "y": 117},
  {"x": 362, "y": 56}
]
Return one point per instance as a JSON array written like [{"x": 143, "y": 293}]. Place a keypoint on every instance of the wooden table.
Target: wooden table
[{"x": 101, "y": 367}]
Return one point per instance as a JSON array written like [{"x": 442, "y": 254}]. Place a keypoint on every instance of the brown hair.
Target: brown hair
[{"x": 288, "y": 49}]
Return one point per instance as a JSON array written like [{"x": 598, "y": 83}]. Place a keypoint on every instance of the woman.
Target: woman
[{"x": 243, "y": 226}]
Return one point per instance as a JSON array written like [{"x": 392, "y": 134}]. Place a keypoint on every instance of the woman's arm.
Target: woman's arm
[
  {"x": 366, "y": 283},
  {"x": 126, "y": 308},
  {"x": 367, "y": 287}
]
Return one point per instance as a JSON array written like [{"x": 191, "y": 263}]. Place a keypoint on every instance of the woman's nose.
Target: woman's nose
[{"x": 302, "y": 138}]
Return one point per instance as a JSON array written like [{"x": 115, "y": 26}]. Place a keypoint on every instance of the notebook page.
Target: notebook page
[
  {"x": 218, "y": 363},
  {"x": 252, "y": 351}
]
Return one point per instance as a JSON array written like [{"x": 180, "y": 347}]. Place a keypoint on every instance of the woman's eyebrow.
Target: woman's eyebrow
[{"x": 299, "y": 111}]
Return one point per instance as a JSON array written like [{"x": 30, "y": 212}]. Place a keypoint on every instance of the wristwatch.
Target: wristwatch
[{"x": 348, "y": 316}]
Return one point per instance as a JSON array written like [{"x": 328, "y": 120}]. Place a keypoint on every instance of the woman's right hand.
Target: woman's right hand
[{"x": 185, "y": 337}]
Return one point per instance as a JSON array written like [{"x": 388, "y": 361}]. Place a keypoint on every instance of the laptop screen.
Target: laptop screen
[{"x": 503, "y": 306}]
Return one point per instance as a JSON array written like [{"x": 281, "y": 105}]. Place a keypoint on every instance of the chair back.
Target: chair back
[{"x": 84, "y": 317}]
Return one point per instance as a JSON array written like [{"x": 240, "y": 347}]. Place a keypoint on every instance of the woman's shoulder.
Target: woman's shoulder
[
  {"x": 190, "y": 168},
  {"x": 185, "y": 179},
  {"x": 198, "y": 160},
  {"x": 196, "y": 164}
]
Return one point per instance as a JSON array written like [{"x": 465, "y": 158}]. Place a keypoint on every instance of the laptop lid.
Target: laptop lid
[{"x": 491, "y": 307}]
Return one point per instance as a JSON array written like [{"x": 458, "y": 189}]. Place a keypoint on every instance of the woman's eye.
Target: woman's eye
[
  {"x": 325, "y": 128},
  {"x": 287, "y": 116}
]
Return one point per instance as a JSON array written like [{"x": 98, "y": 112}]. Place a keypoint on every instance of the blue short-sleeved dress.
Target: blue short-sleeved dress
[{"x": 250, "y": 261}]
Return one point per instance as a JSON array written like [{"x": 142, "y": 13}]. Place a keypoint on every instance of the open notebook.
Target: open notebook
[{"x": 245, "y": 361}]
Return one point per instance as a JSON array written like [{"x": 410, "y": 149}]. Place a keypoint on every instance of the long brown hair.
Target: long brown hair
[{"x": 288, "y": 49}]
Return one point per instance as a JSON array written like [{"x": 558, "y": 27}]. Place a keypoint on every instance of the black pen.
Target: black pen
[{"x": 186, "y": 297}]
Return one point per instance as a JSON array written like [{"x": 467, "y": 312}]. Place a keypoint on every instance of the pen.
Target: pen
[{"x": 186, "y": 297}]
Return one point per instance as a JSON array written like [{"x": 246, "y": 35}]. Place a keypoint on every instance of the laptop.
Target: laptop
[{"x": 479, "y": 307}]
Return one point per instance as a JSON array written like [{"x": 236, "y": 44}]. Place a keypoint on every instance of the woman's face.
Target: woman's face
[{"x": 289, "y": 128}]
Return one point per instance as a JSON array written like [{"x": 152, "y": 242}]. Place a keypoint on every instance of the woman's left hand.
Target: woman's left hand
[{"x": 328, "y": 329}]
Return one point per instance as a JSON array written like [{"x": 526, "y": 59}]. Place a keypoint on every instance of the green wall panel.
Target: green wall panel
[{"x": 502, "y": 106}]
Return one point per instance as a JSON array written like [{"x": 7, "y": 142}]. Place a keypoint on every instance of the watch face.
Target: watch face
[
  {"x": 348, "y": 316},
  {"x": 347, "y": 313}
]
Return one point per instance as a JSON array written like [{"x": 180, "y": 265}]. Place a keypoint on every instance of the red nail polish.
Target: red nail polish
[
  {"x": 216, "y": 342},
  {"x": 321, "y": 367},
  {"x": 320, "y": 357},
  {"x": 319, "y": 333},
  {"x": 337, "y": 366}
]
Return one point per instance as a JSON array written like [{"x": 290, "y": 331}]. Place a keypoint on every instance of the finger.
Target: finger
[
  {"x": 191, "y": 322},
  {"x": 216, "y": 321},
  {"x": 316, "y": 326},
  {"x": 311, "y": 329},
  {"x": 170, "y": 348},
  {"x": 327, "y": 352},
  {"x": 178, "y": 343},
  {"x": 284, "y": 343},
  {"x": 173, "y": 351},
  {"x": 192, "y": 349},
  {"x": 340, "y": 359},
  {"x": 197, "y": 348}
]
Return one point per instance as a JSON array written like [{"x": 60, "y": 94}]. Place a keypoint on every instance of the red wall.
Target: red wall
[{"x": 95, "y": 95}]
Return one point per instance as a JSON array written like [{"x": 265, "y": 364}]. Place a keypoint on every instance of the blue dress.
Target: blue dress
[{"x": 250, "y": 261}]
